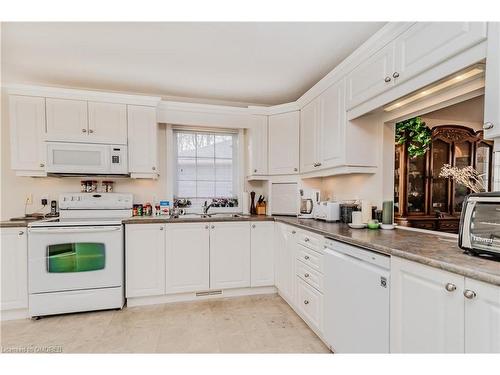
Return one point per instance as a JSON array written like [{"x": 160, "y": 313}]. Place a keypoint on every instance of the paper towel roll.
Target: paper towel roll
[{"x": 366, "y": 209}]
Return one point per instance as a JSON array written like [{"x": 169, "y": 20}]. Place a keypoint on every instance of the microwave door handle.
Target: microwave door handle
[{"x": 73, "y": 230}]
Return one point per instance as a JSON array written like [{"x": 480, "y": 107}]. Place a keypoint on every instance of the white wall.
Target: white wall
[{"x": 15, "y": 189}]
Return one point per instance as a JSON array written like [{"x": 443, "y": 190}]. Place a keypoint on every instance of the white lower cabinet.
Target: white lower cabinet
[
  {"x": 482, "y": 317},
  {"x": 262, "y": 254},
  {"x": 285, "y": 245},
  {"x": 187, "y": 257},
  {"x": 309, "y": 302},
  {"x": 229, "y": 255},
  {"x": 14, "y": 268},
  {"x": 435, "y": 311},
  {"x": 144, "y": 260}
]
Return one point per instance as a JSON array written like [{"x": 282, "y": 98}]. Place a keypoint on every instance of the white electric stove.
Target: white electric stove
[{"x": 76, "y": 261}]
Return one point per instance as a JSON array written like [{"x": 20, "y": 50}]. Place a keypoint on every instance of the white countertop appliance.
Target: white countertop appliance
[
  {"x": 76, "y": 261},
  {"x": 357, "y": 283},
  {"x": 480, "y": 224},
  {"x": 327, "y": 211},
  {"x": 309, "y": 199}
]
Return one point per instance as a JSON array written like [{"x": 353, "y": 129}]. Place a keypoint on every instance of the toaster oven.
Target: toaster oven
[{"x": 480, "y": 224}]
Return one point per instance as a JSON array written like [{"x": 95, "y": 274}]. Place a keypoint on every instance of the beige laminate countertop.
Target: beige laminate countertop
[
  {"x": 426, "y": 248},
  {"x": 15, "y": 224}
]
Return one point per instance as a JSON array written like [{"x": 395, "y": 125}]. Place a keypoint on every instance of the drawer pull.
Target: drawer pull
[
  {"x": 450, "y": 287},
  {"x": 293, "y": 232},
  {"x": 469, "y": 294},
  {"x": 306, "y": 257},
  {"x": 306, "y": 275},
  {"x": 306, "y": 302},
  {"x": 306, "y": 239}
]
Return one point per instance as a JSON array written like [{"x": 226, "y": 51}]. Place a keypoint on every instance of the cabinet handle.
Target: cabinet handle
[
  {"x": 395, "y": 75},
  {"x": 153, "y": 168},
  {"x": 450, "y": 287},
  {"x": 306, "y": 302},
  {"x": 255, "y": 171},
  {"x": 253, "y": 225},
  {"x": 84, "y": 130},
  {"x": 306, "y": 257},
  {"x": 387, "y": 79},
  {"x": 293, "y": 232},
  {"x": 306, "y": 239},
  {"x": 161, "y": 228},
  {"x": 91, "y": 131},
  {"x": 306, "y": 275},
  {"x": 319, "y": 164},
  {"x": 487, "y": 125},
  {"x": 20, "y": 233},
  {"x": 213, "y": 227},
  {"x": 42, "y": 165},
  {"x": 469, "y": 294}
]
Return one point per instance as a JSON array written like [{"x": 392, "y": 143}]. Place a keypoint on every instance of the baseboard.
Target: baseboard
[
  {"x": 14, "y": 314},
  {"x": 184, "y": 297}
]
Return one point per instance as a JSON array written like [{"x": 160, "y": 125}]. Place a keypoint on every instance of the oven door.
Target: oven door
[{"x": 73, "y": 258}]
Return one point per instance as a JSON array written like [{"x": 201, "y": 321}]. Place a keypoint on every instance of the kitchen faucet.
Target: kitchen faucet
[{"x": 206, "y": 207}]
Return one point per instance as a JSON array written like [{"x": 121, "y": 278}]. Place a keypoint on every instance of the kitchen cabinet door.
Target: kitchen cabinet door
[
  {"x": 27, "y": 134},
  {"x": 14, "y": 268},
  {"x": 284, "y": 143},
  {"x": 427, "y": 309},
  {"x": 187, "y": 257},
  {"x": 262, "y": 254},
  {"x": 229, "y": 255},
  {"x": 67, "y": 120},
  {"x": 492, "y": 84},
  {"x": 107, "y": 123},
  {"x": 286, "y": 242},
  {"x": 427, "y": 44},
  {"x": 372, "y": 77},
  {"x": 257, "y": 146},
  {"x": 482, "y": 317},
  {"x": 309, "y": 136},
  {"x": 332, "y": 126},
  {"x": 142, "y": 141},
  {"x": 144, "y": 260}
]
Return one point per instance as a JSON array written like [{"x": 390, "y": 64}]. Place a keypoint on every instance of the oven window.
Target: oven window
[
  {"x": 485, "y": 226},
  {"x": 75, "y": 257}
]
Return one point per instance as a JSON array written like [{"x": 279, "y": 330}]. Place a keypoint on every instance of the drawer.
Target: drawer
[
  {"x": 310, "y": 276},
  {"x": 310, "y": 240},
  {"x": 309, "y": 304},
  {"x": 310, "y": 257}
]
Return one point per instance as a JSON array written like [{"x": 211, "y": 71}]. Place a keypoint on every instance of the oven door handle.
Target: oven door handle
[{"x": 74, "y": 230}]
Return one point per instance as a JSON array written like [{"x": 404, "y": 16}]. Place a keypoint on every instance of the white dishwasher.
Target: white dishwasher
[{"x": 356, "y": 299}]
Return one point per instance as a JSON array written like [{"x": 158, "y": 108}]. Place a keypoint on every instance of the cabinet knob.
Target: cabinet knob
[
  {"x": 306, "y": 275},
  {"x": 42, "y": 165},
  {"x": 253, "y": 225},
  {"x": 306, "y": 302},
  {"x": 91, "y": 131},
  {"x": 395, "y": 75},
  {"x": 306, "y": 257},
  {"x": 487, "y": 125},
  {"x": 293, "y": 232},
  {"x": 469, "y": 294},
  {"x": 319, "y": 164},
  {"x": 306, "y": 239},
  {"x": 450, "y": 287},
  {"x": 387, "y": 79},
  {"x": 20, "y": 233},
  {"x": 295, "y": 169},
  {"x": 84, "y": 130},
  {"x": 153, "y": 168},
  {"x": 213, "y": 226},
  {"x": 255, "y": 171},
  {"x": 161, "y": 228},
  {"x": 206, "y": 226}
]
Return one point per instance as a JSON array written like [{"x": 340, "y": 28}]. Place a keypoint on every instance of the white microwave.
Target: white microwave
[{"x": 84, "y": 158}]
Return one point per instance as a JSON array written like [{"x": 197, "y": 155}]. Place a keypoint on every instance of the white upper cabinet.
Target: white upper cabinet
[
  {"x": 144, "y": 260},
  {"x": 187, "y": 257},
  {"x": 482, "y": 317},
  {"x": 67, "y": 120},
  {"x": 142, "y": 141},
  {"x": 229, "y": 255},
  {"x": 14, "y": 268},
  {"x": 284, "y": 143},
  {"x": 257, "y": 146},
  {"x": 372, "y": 77},
  {"x": 107, "y": 123},
  {"x": 309, "y": 136},
  {"x": 427, "y": 44},
  {"x": 492, "y": 87},
  {"x": 27, "y": 134},
  {"x": 262, "y": 253},
  {"x": 332, "y": 126},
  {"x": 427, "y": 309}
]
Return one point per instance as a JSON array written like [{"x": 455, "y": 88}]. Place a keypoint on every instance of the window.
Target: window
[{"x": 206, "y": 165}]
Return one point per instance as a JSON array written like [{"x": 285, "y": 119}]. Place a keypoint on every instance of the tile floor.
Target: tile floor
[{"x": 255, "y": 324}]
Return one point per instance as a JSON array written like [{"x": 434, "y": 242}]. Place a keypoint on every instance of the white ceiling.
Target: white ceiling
[{"x": 263, "y": 63}]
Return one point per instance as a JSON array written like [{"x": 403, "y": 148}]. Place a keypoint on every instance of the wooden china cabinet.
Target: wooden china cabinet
[{"x": 424, "y": 200}]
